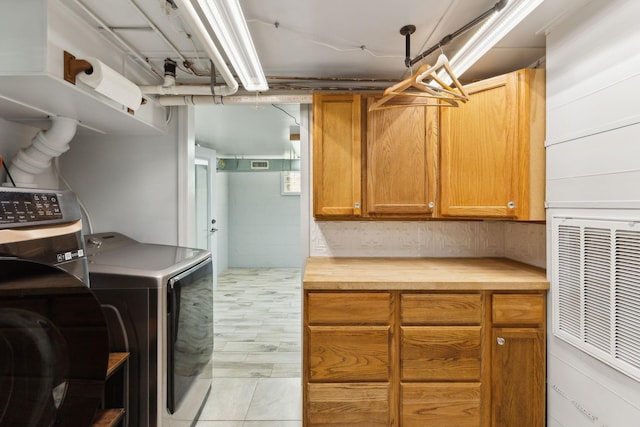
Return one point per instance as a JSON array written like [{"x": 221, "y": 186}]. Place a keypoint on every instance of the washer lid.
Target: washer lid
[{"x": 116, "y": 254}]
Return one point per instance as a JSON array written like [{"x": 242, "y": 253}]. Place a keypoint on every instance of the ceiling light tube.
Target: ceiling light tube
[
  {"x": 226, "y": 20},
  {"x": 491, "y": 32},
  {"x": 193, "y": 21}
]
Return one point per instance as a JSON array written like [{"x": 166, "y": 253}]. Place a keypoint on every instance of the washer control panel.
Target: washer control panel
[{"x": 22, "y": 207}]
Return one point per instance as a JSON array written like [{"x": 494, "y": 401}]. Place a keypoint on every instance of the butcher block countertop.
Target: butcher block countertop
[{"x": 323, "y": 273}]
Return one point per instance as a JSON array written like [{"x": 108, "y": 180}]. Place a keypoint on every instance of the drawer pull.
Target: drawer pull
[{"x": 501, "y": 341}]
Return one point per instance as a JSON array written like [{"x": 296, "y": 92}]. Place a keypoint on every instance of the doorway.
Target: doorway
[
  {"x": 205, "y": 198},
  {"x": 258, "y": 322}
]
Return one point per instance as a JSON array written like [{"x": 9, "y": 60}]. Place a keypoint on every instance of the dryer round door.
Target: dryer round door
[{"x": 53, "y": 347}]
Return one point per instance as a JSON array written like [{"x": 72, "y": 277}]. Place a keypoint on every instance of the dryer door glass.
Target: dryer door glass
[{"x": 190, "y": 332}]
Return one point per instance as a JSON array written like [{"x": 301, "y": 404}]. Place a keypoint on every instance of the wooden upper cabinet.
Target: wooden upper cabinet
[
  {"x": 336, "y": 155},
  {"x": 401, "y": 161},
  {"x": 492, "y": 150}
]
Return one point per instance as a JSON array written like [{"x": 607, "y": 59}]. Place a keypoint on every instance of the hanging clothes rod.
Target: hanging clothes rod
[{"x": 407, "y": 31}]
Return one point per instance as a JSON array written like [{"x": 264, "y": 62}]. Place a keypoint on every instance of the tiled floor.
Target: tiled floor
[{"x": 257, "y": 350}]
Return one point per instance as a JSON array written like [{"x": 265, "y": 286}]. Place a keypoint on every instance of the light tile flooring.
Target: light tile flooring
[{"x": 257, "y": 350}]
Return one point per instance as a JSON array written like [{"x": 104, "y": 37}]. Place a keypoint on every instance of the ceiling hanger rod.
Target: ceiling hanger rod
[{"x": 448, "y": 38}]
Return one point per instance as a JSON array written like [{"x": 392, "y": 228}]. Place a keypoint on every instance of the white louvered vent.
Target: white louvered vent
[
  {"x": 596, "y": 289},
  {"x": 259, "y": 164}
]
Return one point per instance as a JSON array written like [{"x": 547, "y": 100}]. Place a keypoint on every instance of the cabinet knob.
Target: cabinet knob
[
  {"x": 356, "y": 205},
  {"x": 431, "y": 205},
  {"x": 500, "y": 341},
  {"x": 511, "y": 205}
]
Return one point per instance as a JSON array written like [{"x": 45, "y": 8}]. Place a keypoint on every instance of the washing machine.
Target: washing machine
[
  {"x": 53, "y": 333},
  {"x": 158, "y": 301}
]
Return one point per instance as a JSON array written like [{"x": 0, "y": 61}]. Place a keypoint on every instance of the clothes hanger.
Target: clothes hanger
[
  {"x": 457, "y": 92},
  {"x": 417, "y": 85}
]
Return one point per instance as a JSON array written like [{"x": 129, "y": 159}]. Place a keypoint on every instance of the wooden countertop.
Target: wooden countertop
[{"x": 324, "y": 273}]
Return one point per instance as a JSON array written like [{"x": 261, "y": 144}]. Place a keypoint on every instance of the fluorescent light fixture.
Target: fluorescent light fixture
[
  {"x": 225, "y": 19},
  {"x": 491, "y": 32}
]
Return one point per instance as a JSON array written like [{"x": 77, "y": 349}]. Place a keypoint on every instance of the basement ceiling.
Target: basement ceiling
[{"x": 326, "y": 39}]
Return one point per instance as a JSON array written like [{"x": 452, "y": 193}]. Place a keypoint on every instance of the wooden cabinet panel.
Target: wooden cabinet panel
[
  {"x": 492, "y": 150},
  {"x": 336, "y": 155},
  {"x": 348, "y": 308},
  {"x": 518, "y": 377},
  {"x": 440, "y": 353},
  {"x": 349, "y": 353},
  {"x": 424, "y": 358},
  {"x": 441, "y": 309},
  {"x": 401, "y": 160},
  {"x": 441, "y": 405},
  {"x": 348, "y": 405},
  {"x": 518, "y": 309}
]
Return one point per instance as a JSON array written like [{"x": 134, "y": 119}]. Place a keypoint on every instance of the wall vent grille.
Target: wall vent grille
[
  {"x": 596, "y": 288},
  {"x": 259, "y": 164}
]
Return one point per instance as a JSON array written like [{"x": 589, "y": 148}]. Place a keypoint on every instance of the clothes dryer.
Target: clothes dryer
[{"x": 158, "y": 301}]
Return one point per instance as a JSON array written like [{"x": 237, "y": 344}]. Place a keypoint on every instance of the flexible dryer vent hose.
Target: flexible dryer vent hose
[{"x": 45, "y": 146}]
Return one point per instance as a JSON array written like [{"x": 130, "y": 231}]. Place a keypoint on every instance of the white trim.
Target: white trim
[
  {"x": 305, "y": 181},
  {"x": 186, "y": 176},
  {"x": 594, "y": 204}
]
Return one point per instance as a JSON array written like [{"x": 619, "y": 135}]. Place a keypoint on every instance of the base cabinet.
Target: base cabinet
[
  {"x": 437, "y": 359},
  {"x": 348, "y": 404},
  {"x": 518, "y": 349},
  {"x": 440, "y": 404},
  {"x": 517, "y": 377}
]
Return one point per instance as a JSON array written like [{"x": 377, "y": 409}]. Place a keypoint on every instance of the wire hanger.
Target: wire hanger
[{"x": 425, "y": 83}]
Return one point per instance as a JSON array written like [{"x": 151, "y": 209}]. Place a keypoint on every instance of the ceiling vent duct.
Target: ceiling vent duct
[{"x": 258, "y": 166}]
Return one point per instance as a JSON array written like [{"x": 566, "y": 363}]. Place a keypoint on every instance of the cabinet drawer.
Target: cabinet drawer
[
  {"x": 362, "y": 405},
  {"x": 441, "y": 309},
  {"x": 518, "y": 309},
  {"x": 348, "y": 307},
  {"x": 440, "y": 353},
  {"x": 440, "y": 405},
  {"x": 349, "y": 353}
]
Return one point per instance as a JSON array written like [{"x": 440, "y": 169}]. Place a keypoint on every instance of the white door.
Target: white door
[{"x": 205, "y": 192}]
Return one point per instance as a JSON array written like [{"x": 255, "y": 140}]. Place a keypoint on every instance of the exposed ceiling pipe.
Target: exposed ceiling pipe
[
  {"x": 45, "y": 146},
  {"x": 193, "y": 21},
  {"x": 142, "y": 60},
  {"x": 233, "y": 100}
]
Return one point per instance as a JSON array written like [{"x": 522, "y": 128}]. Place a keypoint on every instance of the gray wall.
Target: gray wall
[
  {"x": 264, "y": 226},
  {"x": 593, "y": 170},
  {"x": 222, "y": 221}
]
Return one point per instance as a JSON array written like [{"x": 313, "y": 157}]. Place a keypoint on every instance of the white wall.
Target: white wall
[
  {"x": 129, "y": 185},
  {"x": 593, "y": 169},
  {"x": 264, "y": 226}
]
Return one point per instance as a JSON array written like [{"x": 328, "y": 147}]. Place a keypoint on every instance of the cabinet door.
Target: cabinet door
[
  {"x": 336, "y": 155},
  {"x": 492, "y": 150},
  {"x": 518, "y": 377},
  {"x": 401, "y": 158}
]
